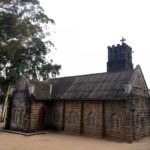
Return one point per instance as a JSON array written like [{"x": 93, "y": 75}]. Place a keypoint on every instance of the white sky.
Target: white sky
[{"x": 84, "y": 29}]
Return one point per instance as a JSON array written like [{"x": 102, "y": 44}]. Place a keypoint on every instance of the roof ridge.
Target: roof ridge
[{"x": 91, "y": 74}]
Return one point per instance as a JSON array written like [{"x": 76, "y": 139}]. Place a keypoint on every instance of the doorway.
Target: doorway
[{"x": 41, "y": 118}]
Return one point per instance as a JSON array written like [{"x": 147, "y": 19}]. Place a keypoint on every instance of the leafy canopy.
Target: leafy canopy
[{"x": 24, "y": 41}]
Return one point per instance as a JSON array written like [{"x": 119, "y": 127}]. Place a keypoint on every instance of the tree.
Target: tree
[
  {"x": 24, "y": 41},
  {"x": 23, "y": 44}
]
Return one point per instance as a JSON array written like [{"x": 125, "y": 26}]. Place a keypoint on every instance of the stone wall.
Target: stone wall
[
  {"x": 92, "y": 118},
  {"x": 18, "y": 112},
  {"x": 111, "y": 118},
  {"x": 72, "y": 117},
  {"x": 56, "y": 115},
  {"x": 19, "y": 106},
  {"x": 77, "y": 117},
  {"x": 39, "y": 115},
  {"x": 138, "y": 109},
  {"x": 114, "y": 119}
]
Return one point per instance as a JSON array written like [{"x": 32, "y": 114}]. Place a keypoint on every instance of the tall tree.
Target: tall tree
[{"x": 24, "y": 41}]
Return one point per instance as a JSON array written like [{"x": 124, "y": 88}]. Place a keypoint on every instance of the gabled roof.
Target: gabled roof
[
  {"x": 91, "y": 87},
  {"x": 41, "y": 89},
  {"x": 100, "y": 86}
]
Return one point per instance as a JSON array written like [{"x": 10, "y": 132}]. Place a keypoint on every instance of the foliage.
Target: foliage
[{"x": 24, "y": 41}]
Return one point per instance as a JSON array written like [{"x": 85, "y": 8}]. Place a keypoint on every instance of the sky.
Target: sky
[{"x": 84, "y": 29}]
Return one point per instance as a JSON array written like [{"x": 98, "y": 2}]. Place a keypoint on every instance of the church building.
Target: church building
[{"x": 114, "y": 104}]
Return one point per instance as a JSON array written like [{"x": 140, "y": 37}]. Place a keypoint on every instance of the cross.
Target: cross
[{"x": 122, "y": 40}]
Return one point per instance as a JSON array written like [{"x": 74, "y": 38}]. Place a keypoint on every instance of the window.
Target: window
[
  {"x": 22, "y": 115},
  {"x": 115, "y": 122},
  {"x": 72, "y": 118},
  {"x": 18, "y": 116},
  {"x": 14, "y": 116},
  {"x": 91, "y": 120}
]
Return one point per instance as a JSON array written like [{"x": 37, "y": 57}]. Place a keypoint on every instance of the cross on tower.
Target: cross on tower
[{"x": 123, "y": 40}]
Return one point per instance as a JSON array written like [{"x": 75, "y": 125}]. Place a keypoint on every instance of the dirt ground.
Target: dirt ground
[{"x": 59, "y": 141}]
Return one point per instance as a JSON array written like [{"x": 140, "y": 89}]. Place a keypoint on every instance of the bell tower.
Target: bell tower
[{"x": 119, "y": 57}]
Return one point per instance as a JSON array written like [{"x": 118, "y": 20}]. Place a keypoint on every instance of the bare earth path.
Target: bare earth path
[{"x": 58, "y": 141}]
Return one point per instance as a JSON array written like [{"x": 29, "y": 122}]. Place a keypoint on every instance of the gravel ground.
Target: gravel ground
[{"x": 59, "y": 141}]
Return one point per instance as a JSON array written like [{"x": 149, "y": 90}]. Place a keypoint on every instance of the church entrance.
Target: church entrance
[{"x": 41, "y": 118}]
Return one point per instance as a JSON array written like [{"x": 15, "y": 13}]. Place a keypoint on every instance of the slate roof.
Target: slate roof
[
  {"x": 100, "y": 86},
  {"x": 91, "y": 87},
  {"x": 41, "y": 91}
]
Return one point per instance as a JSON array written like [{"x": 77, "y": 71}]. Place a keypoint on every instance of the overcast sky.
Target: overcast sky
[{"x": 84, "y": 29}]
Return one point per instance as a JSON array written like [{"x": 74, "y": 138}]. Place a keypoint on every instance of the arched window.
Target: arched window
[
  {"x": 14, "y": 117},
  {"x": 22, "y": 115},
  {"x": 115, "y": 122},
  {"x": 91, "y": 120},
  {"x": 72, "y": 118}
]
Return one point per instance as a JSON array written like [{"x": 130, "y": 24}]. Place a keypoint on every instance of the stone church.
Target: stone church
[{"x": 114, "y": 104}]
